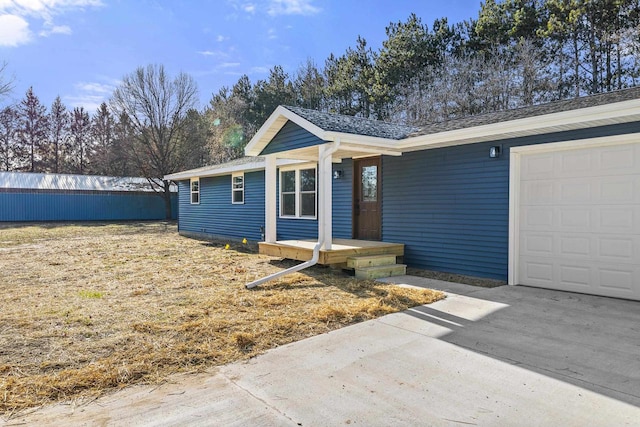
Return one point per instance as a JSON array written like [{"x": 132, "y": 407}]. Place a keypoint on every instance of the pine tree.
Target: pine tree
[
  {"x": 32, "y": 132},
  {"x": 58, "y": 134},
  {"x": 80, "y": 147},
  {"x": 103, "y": 135},
  {"x": 8, "y": 142}
]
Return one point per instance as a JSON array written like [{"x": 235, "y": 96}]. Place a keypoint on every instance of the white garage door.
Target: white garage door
[{"x": 579, "y": 220}]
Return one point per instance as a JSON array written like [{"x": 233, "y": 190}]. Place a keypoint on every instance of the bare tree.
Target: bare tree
[
  {"x": 157, "y": 106},
  {"x": 32, "y": 131},
  {"x": 58, "y": 132},
  {"x": 8, "y": 145},
  {"x": 6, "y": 83},
  {"x": 103, "y": 136},
  {"x": 80, "y": 140}
]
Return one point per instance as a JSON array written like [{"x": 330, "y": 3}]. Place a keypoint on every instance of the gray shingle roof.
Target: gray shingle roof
[
  {"x": 212, "y": 170},
  {"x": 353, "y": 125},
  {"x": 237, "y": 162},
  {"x": 526, "y": 112}
]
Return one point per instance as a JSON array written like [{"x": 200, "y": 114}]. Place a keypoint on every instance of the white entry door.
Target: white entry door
[{"x": 578, "y": 218}]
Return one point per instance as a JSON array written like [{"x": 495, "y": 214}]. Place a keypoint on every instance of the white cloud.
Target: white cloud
[
  {"x": 100, "y": 88},
  {"x": 91, "y": 94},
  {"x": 17, "y": 16},
  {"x": 89, "y": 102},
  {"x": 271, "y": 34},
  {"x": 259, "y": 70},
  {"x": 221, "y": 38},
  {"x": 56, "y": 29},
  {"x": 249, "y": 8},
  {"x": 292, "y": 7},
  {"x": 14, "y": 30},
  {"x": 218, "y": 54},
  {"x": 229, "y": 65}
]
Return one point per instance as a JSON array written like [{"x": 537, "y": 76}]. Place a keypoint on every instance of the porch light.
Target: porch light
[
  {"x": 495, "y": 151},
  {"x": 337, "y": 174}
]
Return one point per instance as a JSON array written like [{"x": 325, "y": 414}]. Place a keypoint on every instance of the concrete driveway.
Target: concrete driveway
[{"x": 487, "y": 357}]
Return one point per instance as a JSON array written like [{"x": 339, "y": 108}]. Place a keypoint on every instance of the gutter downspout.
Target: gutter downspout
[{"x": 316, "y": 249}]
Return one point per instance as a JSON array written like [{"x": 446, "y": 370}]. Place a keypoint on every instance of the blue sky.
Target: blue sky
[{"x": 79, "y": 49}]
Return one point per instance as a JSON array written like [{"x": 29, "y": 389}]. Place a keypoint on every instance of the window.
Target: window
[
  {"x": 195, "y": 191},
  {"x": 298, "y": 193},
  {"x": 370, "y": 183},
  {"x": 237, "y": 188}
]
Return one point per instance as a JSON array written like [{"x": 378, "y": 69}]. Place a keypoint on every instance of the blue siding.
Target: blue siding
[
  {"x": 450, "y": 206},
  {"x": 343, "y": 200},
  {"x": 216, "y": 216},
  {"x": 33, "y": 205},
  {"x": 290, "y": 137}
]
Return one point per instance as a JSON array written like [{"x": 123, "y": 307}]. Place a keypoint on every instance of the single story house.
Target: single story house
[
  {"x": 61, "y": 197},
  {"x": 546, "y": 196}
]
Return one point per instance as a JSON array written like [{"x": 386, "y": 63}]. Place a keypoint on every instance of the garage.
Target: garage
[{"x": 575, "y": 216}]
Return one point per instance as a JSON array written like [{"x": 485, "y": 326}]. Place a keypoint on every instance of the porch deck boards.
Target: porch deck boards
[{"x": 341, "y": 249}]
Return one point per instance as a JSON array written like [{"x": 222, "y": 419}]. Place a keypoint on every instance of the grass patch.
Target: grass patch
[
  {"x": 88, "y": 309},
  {"x": 90, "y": 294}
]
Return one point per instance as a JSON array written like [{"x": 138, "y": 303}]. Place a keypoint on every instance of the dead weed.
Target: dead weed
[{"x": 88, "y": 309}]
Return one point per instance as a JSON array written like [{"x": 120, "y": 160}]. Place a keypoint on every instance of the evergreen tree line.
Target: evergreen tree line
[
  {"x": 61, "y": 140},
  {"x": 70, "y": 140}
]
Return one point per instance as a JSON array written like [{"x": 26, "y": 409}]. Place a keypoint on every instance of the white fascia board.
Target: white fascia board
[
  {"x": 368, "y": 149},
  {"x": 372, "y": 141},
  {"x": 273, "y": 125},
  {"x": 620, "y": 111},
  {"x": 213, "y": 171}
]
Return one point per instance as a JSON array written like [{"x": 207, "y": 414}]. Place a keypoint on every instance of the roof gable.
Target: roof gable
[
  {"x": 327, "y": 127},
  {"x": 290, "y": 137}
]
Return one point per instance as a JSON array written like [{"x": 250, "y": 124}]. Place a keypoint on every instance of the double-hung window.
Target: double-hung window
[
  {"x": 195, "y": 191},
  {"x": 298, "y": 193},
  {"x": 237, "y": 188}
]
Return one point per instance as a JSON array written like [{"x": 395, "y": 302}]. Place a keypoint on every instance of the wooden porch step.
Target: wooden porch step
[
  {"x": 379, "y": 271},
  {"x": 370, "y": 261}
]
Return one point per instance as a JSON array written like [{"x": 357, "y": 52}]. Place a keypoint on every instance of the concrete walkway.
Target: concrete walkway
[{"x": 487, "y": 357}]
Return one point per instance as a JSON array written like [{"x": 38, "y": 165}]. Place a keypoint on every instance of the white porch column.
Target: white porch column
[
  {"x": 325, "y": 186},
  {"x": 270, "y": 197}
]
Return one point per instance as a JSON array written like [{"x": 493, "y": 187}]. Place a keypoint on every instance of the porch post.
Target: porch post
[
  {"x": 270, "y": 214},
  {"x": 325, "y": 207}
]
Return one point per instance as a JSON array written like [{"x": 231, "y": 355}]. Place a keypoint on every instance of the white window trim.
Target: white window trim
[
  {"x": 298, "y": 192},
  {"x": 234, "y": 190},
  {"x": 191, "y": 192}
]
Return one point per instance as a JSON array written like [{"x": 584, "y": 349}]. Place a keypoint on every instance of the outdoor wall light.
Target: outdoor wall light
[
  {"x": 337, "y": 174},
  {"x": 495, "y": 151}
]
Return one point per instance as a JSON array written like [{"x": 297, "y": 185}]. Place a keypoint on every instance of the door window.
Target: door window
[{"x": 370, "y": 183}]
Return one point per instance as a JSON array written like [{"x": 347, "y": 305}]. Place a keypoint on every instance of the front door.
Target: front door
[{"x": 367, "y": 216}]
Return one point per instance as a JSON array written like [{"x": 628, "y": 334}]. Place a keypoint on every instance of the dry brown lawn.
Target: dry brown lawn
[{"x": 91, "y": 308}]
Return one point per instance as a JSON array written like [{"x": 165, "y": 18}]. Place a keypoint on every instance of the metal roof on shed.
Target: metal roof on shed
[{"x": 50, "y": 181}]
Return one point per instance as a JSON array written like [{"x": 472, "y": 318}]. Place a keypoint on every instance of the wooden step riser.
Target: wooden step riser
[
  {"x": 370, "y": 261},
  {"x": 381, "y": 271}
]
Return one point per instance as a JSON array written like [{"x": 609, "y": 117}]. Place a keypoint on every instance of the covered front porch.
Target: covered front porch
[
  {"x": 341, "y": 249},
  {"x": 302, "y": 193}
]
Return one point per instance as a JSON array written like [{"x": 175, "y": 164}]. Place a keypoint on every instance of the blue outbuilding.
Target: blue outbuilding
[
  {"x": 545, "y": 196},
  {"x": 62, "y": 197}
]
